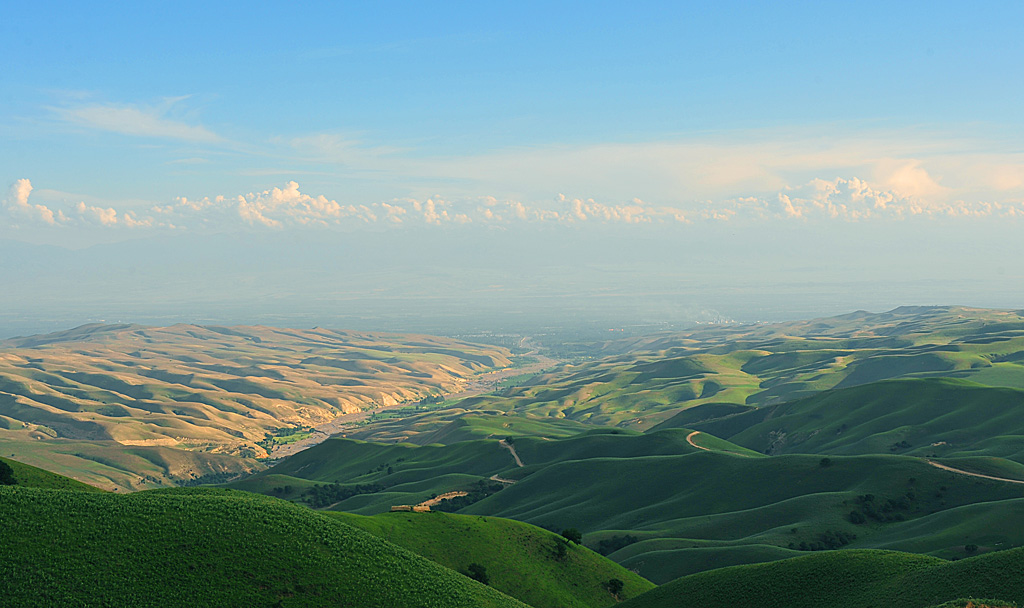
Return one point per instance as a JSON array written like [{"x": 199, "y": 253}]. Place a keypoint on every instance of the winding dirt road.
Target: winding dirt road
[
  {"x": 511, "y": 448},
  {"x": 689, "y": 440},
  {"x": 962, "y": 472}
]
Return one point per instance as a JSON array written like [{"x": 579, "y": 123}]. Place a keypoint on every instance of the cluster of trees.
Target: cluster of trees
[
  {"x": 613, "y": 544},
  {"x": 829, "y": 539},
  {"x": 326, "y": 495},
  {"x": 883, "y": 512}
]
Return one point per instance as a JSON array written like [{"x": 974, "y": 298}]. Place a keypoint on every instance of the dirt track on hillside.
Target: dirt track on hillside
[
  {"x": 962, "y": 472},
  {"x": 511, "y": 448}
]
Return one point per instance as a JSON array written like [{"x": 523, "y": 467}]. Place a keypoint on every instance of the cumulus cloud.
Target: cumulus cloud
[
  {"x": 286, "y": 207},
  {"x": 855, "y": 199},
  {"x": 96, "y": 215},
  {"x": 16, "y": 205}
]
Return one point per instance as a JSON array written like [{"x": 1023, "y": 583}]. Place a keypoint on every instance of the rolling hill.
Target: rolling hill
[
  {"x": 71, "y": 401},
  {"x": 668, "y": 503},
  {"x": 207, "y": 548},
  {"x": 641, "y": 382},
  {"x": 522, "y": 561},
  {"x": 841, "y": 579}
]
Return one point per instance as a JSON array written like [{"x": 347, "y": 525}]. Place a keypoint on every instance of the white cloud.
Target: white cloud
[
  {"x": 137, "y": 120},
  {"x": 96, "y": 215},
  {"x": 16, "y": 204},
  {"x": 287, "y": 207}
]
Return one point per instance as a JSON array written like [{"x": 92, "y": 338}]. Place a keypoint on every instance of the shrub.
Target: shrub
[
  {"x": 478, "y": 572},
  {"x": 613, "y": 544},
  {"x": 614, "y": 586},
  {"x": 572, "y": 535},
  {"x": 6, "y": 475}
]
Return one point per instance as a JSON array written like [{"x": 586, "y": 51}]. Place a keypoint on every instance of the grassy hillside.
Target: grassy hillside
[
  {"x": 207, "y": 548},
  {"x": 409, "y": 474},
  {"x": 221, "y": 390},
  {"x": 521, "y": 560},
  {"x": 665, "y": 507},
  {"x": 453, "y": 424},
  {"x": 27, "y": 476},
  {"x": 921, "y": 417},
  {"x": 641, "y": 382},
  {"x": 841, "y": 579},
  {"x": 111, "y": 465}
]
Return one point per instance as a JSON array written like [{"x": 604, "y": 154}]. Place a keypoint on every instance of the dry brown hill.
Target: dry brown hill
[{"x": 217, "y": 391}]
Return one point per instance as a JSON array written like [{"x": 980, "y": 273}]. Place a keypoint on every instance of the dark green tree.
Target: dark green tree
[
  {"x": 478, "y": 573},
  {"x": 614, "y": 586},
  {"x": 6, "y": 475},
  {"x": 572, "y": 535}
]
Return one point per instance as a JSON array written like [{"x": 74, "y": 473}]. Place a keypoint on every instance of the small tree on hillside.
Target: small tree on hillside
[
  {"x": 478, "y": 573},
  {"x": 6, "y": 475},
  {"x": 614, "y": 586},
  {"x": 572, "y": 535}
]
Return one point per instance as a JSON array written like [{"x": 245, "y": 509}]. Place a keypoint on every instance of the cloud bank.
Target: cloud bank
[{"x": 287, "y": 207}]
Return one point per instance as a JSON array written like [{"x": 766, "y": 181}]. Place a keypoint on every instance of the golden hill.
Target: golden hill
[{"x": 212, "y": 390}]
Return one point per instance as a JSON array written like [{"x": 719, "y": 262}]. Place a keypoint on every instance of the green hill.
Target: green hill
[
  {"x": 655, "y": 503},
  {"x": 27, "y": 476},
  {"x": 639, "y": 383},
  {"x": 207, "y": 548},
  {"x": 845, "y": 579},
  {"x": 922, "y": 417},
  {"x": 409, "y": 474},
  {"x": 521, "y": 560}
]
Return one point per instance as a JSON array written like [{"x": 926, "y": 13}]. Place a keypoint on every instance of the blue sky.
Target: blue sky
[{"x": 134, "y": 120}]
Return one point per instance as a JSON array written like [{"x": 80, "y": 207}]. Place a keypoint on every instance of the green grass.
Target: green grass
[
  {"x": 207, "y": 548},
  {"x": 110, "y": 465},
  {"x": 689, "y": 509},
  {"x": 922, "y": 417},
  {"x": 410, "y": 474},
  {"x": 845, "y": 579},
  {"x": 732, "y": 507},
  {"x": 521, "y": 560},
  {"x": 27, "y": 476}
]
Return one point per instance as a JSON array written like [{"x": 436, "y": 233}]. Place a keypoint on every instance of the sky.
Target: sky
[{"x": 854, "y": 143}]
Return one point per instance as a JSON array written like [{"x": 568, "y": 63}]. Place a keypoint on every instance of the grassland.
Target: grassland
[
  {"x": 27, "y": 476},
  {"x": 641, "y": 382},
  {"x": 939, "y": 418},
  {"x": 521, "y": 560},
  {"x": 685, "y": 509},
  {"x": 841, "y": 579},
  {"x": 211, "y": 390},
  {"x": 207, "y": 548}
]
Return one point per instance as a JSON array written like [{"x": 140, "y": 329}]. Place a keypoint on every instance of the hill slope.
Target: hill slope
[
  {"x": 207, "y": 548},
  {"x": 845, "y": 579},
  {"x": 922, "y": 417},
  {"x": 27, "y": 476},
  {"x": 521, "y": 560},
  {"x": 213, "y": 390}
]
